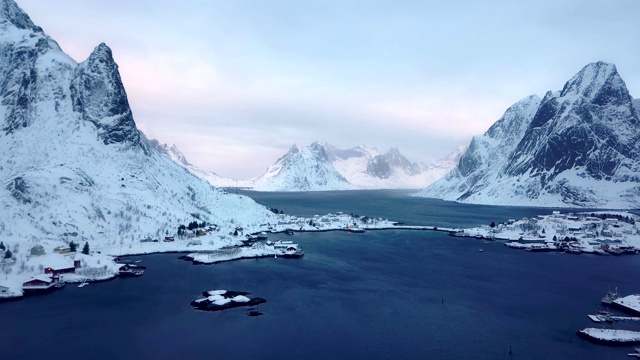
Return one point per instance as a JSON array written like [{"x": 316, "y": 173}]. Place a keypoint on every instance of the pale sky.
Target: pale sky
[{"x": 235, "y": 83}]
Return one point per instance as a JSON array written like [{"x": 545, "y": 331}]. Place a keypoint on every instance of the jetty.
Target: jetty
[
  {"x": 610, "y": 336},
  {"x": 611, "y": 318},
  {"x": 629, "y": 304}
]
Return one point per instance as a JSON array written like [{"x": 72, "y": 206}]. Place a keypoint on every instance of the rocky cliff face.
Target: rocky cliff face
[
  {"x": 99, "y": 97},
  {"x": 590, "y": 125},
  {"x": 575, "y": 147},
  {"x": 75, "y": 166},
  {"x": 33, "y": 68},
  {"x": 384, "y": 166}
]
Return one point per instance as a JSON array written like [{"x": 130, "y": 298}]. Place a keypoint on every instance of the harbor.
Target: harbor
[{"x": 620, "y": 335}]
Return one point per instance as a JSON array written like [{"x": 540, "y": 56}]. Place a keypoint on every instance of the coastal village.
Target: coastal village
[
  {"x": 597, "y": 233},
  {"x": 49, "y": 265},
  {"x": 600, "y": 233}
]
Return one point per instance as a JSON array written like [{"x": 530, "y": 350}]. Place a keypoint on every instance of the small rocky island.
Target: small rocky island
[{"x": 218, "y": 300}]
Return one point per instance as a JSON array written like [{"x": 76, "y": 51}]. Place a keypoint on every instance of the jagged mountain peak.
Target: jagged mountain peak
[
  {"x": 356, "y": 152},
  {"x": 12, "y": 14},
  {"x": 294, "y": 149},
  {"x": 64, "y": 178},
  {"x": 170, "y": 151},
  {"x": 318, "y": 151},
  {"x": 580, "y": 147},
  {"x": 102, "y": 51},
  {"x": 396, "y": 160},
  {"x": 512, "y": 122},
  {"x": 591, "y": 124},
  {"x": 393, "y": 152},
  {"x": 306, "y": 169},
  {"x": 99, "y": 96},
  {"x": 599, "y": 82},
  {"x": 501, "y": 138}
]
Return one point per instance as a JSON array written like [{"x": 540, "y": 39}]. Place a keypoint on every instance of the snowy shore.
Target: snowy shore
[
  {"x": 598, "y": 233},
  {"x": 610, "y": 336},
  {"x": 207, "y": 245},
  {"x": 601, "y": 233}
]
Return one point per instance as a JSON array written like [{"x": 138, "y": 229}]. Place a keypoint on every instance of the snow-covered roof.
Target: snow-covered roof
[{"x": 42, "y": 277}]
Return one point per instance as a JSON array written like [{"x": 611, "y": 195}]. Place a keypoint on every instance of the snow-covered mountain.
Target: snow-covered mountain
[
  {"x": 325, "y": 167},
  {"x": 576, "y": 147},
  {"x": 369, "y": 169},
  {"x": 306, "y": 169},
  {"x": 437, "y": 169},
  {"x": 173, "y": 153},
  {"x": 75, "y": 166}
]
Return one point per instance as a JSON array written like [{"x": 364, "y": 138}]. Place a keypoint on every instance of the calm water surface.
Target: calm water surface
[{"x": 378, "y": 295}]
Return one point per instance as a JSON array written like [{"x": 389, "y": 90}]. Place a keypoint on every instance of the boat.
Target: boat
[
  {"x": 602, "y": 316},
  {"x": 256, "y": 237},
  {"x": 538, "y": 248},
  {"x": 131, "y": 270},
  {"x": 83, "y": 284},
  {"x": 480, "y": 250},
  {"x": 287, "y": 249},
  {"x": 608, "y": 299}
]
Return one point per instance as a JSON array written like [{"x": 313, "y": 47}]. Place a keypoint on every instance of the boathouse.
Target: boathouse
[
  {"x": 60, "y": 269},
  {"x": 39, "y": 282}
]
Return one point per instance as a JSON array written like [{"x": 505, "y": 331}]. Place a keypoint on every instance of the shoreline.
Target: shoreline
[{"x": 529, "y": 234}]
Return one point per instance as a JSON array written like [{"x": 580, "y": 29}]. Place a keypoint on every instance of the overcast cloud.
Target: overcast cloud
[{"x": 235, "y": 83}]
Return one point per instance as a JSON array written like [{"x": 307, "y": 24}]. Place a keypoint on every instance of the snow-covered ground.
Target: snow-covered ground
[
  {"x": 216, "y": 300},
  {"x": 221, "y": 244},
  {"x": 24, "y": 267},
  {"x": 599, "y": 232}
]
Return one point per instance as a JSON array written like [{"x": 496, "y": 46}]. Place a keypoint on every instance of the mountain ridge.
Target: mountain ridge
[
  {"x": 77, "y": 166},
  {"x": 580, "y": 148}
]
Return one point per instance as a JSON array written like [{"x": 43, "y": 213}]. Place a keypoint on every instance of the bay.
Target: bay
[{"x": 377, "y": 295}]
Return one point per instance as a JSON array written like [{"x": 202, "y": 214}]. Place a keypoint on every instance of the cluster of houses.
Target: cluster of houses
[
  {"x": 600, "y": 233},
  {"x": 50, "y": 279},
  {"x": 327, "y": 221},
  {"x": 53, "y": 268},
  {"x": 186, "y": 234}
]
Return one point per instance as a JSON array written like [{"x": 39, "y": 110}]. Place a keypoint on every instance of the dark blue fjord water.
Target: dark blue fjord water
[{"x": 378, "y": 295}]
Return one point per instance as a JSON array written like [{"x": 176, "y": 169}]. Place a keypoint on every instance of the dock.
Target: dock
[
  {"x": 610, "y": 336},
  {"x": 629, "y": 304},
  {"x": 609, "y": 318}
]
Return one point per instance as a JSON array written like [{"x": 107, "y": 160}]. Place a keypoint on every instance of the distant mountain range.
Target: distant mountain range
[
  {"x": 325, "y": 167},
  {"x": 577, "y": 147}
]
